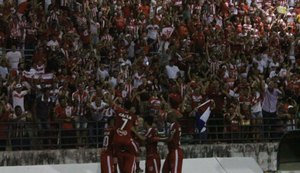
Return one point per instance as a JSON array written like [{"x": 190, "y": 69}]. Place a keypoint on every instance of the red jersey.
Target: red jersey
[
  {"x": 175, "y": 100},
  {"x": 219, "y": 99},
  {"x": 151, "y": 142},
  {"x": 155, "y": 103},
  {"x": 107, "y": 141},
  {"x": 106, "y": 159},
  {"x": 63, "y": 113},
  {"x": 124, "y": 122},
  {"x": 175, "y": 130}
]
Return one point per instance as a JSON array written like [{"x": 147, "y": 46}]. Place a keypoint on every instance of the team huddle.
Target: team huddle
[{"x": 122, "y": 139}]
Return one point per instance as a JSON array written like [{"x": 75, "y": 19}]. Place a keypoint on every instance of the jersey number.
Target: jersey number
[
  {"x": 125, "y": 121},
  {"x": 105, "y": 141}
]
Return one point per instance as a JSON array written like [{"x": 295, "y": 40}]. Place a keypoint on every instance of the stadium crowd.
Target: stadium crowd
[{"x": 68, "y": 60}]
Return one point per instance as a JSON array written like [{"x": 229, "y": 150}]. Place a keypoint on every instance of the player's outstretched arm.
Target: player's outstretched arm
[
  {"x": 166, "y": 139},
  {"x": 143, "y": 138}
]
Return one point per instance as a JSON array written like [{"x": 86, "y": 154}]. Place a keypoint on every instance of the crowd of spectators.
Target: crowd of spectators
[{"x": 65, "y": 61}]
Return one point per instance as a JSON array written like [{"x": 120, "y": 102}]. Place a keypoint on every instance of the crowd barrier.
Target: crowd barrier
[{"x": 52, "y": 135}]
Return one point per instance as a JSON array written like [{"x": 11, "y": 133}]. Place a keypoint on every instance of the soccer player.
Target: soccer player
[
  {"x": 124, "y": 144},
  {"x": 151, "y": 138},
  {"x": 173, "y": 162},
  {"x": 138, "y": 141},
  {"x": 107, "y": 165}
]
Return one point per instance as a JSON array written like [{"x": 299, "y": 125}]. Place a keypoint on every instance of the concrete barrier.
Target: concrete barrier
[{"x": 211, "y": 165}]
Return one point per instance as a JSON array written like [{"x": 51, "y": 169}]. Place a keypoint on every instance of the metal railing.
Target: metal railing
[{"x": 34, "y": 136}]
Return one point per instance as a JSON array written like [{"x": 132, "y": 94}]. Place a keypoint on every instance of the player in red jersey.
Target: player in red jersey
[
  {"x": 151, "y": 139},
  {"x": 173, "y": 162},
  {"x": 138, "y": 143},
  {"x": 124, "y": 144},
  {"x": 107, "y": 165}
]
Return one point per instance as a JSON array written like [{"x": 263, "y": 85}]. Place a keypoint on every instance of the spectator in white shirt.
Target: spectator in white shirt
[
  {"x": 273, "y": 72},
  {"x": 96, "y": 127},
  {"x": 125, "y": 61},
  {"x": 172, "y": 70},
  {"x": 53, "y": 44},
  {"x": 102, "y": 73},
  {"x": 262, "y": 64},
  {"x": 94, "y": 28},
  {"x": 269, "y": 108},
  {"x": 138, "y": 78},
  {"x": 113, "y": 81},
  {"x": 130, "y": 47},
  {"x": 14, "y": 57},
  {"x": 291, "y": 3},
  {"x": 18, "y": 96},
  {"x": 153, "y": 32},
  {"x": 97, "y": 107},
  {"x": 152, "y": 37}
]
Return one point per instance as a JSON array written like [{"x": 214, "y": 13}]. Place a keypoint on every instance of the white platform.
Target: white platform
[{"x": 209, "y": 165}]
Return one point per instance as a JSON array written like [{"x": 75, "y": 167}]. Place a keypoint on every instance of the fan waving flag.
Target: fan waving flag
[{"x": 202, "y": 115}]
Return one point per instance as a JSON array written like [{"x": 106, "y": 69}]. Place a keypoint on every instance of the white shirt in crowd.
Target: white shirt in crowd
[
  {"x": 172, "y": 71},
  {"x": 273, "y": 74},
  {"x": 283, "y": 72},
  {"x": 53, "y": 44},
  {"x": 94, "y": 26},
  {"x": 98, "y": 109},
  {"x": 291, "y": 3},
  {"x": 163, "y": 46},
  {"x": 262, "y": 64},
  {"x": 3, "y": 72},
  {"x": 113, "y": 82},
  {"x": 153, "y": 31},
  {"x": 18, "y": 98},
  {"x": 125, "y": 62},
  {"x": 14, "y": 59},
  {"x": 130, "y": 50},
  {"x": 138, "y": 80},
  {"x": 257, "y": 106},
  {"x": 270, "y": 101},
  {"x": 292, "y": 52},
  {"x": 102, "y": 74}
]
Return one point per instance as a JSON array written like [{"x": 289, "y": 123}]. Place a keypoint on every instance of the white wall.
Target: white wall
[{"x": 209, "y": 165}]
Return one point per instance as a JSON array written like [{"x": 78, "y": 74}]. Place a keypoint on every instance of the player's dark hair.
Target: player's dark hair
[
  {"x": 127, "y": 104},
  {"x": 149, "y": 120}
]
